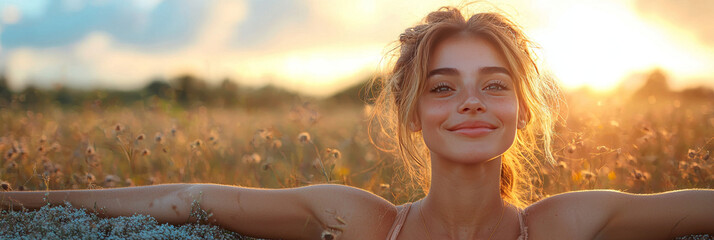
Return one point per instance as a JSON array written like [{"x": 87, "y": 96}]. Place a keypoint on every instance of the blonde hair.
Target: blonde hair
[{"x": 399, "y": 89}]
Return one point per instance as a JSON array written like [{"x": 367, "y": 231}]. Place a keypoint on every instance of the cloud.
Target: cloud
[
  {"x": 692, "y": 15},
  {"x": 10, "y": 14}
]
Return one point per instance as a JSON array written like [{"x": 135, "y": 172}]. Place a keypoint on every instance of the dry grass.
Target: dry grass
[{"x": 607, "y": 142}]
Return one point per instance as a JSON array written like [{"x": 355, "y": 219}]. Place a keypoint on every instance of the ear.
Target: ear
[
  {"x": 414, "y": 124},
  {"x": 524, "y": 116}
]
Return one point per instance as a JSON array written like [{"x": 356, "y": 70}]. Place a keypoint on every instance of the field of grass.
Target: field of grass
[{"x": 636, "y": 145}]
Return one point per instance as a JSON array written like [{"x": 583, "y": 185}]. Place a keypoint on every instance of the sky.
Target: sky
[{"x": 319, "y": 47}]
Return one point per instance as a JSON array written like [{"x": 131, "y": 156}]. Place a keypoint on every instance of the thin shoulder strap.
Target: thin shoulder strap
[
  {"x": 522, "y": 222},
  {"x": 399, "y": 221}
]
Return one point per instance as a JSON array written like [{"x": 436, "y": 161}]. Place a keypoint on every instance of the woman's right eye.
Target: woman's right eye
[{"x": 441, "y": 88}]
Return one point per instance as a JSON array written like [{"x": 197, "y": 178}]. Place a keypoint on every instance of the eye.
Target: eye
[
  {"x": 441, "y": 88},
  {"x": 496, "y": 86}
]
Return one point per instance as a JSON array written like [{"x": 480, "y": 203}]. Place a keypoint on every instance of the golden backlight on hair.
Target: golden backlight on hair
[{"x": 400, "y": 88}]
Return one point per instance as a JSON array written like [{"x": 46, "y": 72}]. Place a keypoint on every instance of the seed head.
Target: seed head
[
  {"x": 5, "y": 186},
  {"x": 90, "y": 150},
  {"x": 334, "y": 153},
  {"x": 304, "y": 137},
  {"x": 705, "y": 157},
  {"x": 571, "y": 148},
  {"x": 276, "y": 144},
  {"x": 197, "y": 143},
  {"x": 696, "y": 168},
  {"x": 562, "y": 165},
  {"x": 140, "y": 137},
  {"x": 118, "y": 128},
  {"x": 384, "y": 186},
  {"x": 602, "y": 149},
  {"x": 158, "y": 138},
  {"x": 55, "y": 147},
  {"x": 129, "y": 182},
  {"x": 145, "y": 152},
  {"x": 639, "y": 175},
  {"x": 90, "y": 177},
  {"x": 587, "y": 175},
  {"x": 691, "y": 153},
  {"x": 112, "y": 178}
]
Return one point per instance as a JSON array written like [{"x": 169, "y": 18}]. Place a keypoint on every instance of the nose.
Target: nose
[{"x": 472, "y": 105}]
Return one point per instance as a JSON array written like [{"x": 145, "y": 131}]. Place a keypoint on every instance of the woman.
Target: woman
[{"x": 466, "y": 105}]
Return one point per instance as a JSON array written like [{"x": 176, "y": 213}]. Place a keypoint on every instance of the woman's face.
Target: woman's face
[{"x": 468, "y": 112}]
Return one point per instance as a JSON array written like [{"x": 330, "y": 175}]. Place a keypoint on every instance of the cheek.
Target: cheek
[
  {"x": 506, "y": 110},
  {"x": 433, "y": 112}
]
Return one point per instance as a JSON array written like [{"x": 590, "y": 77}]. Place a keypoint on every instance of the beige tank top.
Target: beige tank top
[{"x": 402, "y": 216}]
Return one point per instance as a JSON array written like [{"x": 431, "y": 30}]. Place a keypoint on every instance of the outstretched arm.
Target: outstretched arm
[
  {"x": 617, "y": 215},
  {"x": 660, "y": 216},
  {"x": 295, "y": 213}
]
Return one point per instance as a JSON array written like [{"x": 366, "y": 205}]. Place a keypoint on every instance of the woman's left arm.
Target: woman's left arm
[{"x": 658, "y": 216}]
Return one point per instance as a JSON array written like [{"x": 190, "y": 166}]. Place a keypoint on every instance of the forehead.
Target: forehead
[{"x": 465, "y": 52}]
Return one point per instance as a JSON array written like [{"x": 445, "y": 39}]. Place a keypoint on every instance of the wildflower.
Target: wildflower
[
  {"x": 140, "y": 137},
  {"x": 304, "y": 137},
  {"x": 5, "y": 186},
  {"x": 276, "y": 144}
]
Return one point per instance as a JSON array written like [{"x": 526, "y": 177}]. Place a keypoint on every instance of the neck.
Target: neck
[{"x": 464, "y": 201}]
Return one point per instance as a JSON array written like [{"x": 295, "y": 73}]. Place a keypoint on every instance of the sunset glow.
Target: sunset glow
[{"x": 319, "y": 48}]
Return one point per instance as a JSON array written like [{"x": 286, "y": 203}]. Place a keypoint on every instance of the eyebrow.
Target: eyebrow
[{"x": 482, "y": 71}]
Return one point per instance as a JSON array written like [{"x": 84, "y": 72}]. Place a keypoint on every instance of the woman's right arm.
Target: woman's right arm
[{"x": 294, "y": 213}]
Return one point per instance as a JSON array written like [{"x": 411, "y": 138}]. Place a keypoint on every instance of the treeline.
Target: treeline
[{"x": 184, "y": 91}]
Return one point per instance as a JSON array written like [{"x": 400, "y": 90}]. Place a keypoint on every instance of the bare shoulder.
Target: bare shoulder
[
  {"x": 571, "y": 215},
  {"x": 352, "y": 211}
]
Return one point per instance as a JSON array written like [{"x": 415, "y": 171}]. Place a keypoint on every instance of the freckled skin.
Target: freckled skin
[{"x": 468, "y": 95}]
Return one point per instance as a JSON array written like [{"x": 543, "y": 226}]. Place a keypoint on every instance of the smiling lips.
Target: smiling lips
[{"x": 473, "y": 128}]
